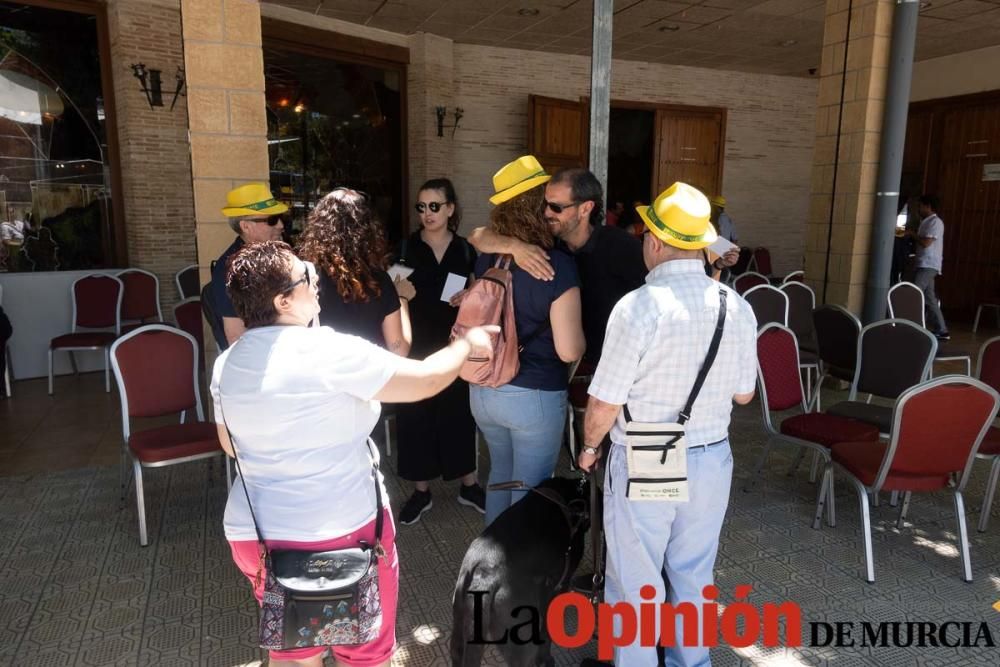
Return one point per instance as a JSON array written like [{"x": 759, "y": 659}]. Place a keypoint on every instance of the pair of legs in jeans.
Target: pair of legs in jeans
[
  {"x": 523, "y": 429},
  {"x": 924, "y": 279}
]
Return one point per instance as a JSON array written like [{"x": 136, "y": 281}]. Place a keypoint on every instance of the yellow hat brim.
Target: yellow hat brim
[
  {"x": 523, "y": 186},
  {"x": 236, "y": 212},
  {"x": 706, "y": 239}
]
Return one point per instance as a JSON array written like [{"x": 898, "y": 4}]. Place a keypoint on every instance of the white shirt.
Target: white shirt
[
  {"x": 931, "y": 257},
  {"x": 298, "y": 402},
  {"x": 656, "y": 342},
  {"x": 727, "y": 229}
]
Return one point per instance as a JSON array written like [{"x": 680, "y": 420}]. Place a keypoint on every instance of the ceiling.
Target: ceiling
[{"x": 771, "y": 36}]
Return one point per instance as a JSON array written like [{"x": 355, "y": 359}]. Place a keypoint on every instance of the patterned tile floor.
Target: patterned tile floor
[{"x": 76, "y": 588}]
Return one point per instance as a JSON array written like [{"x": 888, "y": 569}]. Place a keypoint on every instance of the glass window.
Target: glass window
[
  {"x": 332, "y": 123},
  {"x": 55, "y": 189}
]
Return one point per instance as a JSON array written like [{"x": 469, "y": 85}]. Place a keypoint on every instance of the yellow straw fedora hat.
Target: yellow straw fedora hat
[
  {"x": 516, "y": 177},
  {"x": 680, "y": 217},
  {"x": 252, "y": 199}
]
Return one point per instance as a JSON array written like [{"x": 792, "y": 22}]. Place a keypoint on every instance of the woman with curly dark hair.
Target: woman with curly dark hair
[
  {"x": 523, "y": 420},
  {"x": 437, "y": 437},
  {"x": 346, "y": 242}
]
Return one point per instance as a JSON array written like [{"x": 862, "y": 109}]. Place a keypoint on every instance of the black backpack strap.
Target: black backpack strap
[{"x": 713, "y": 350}]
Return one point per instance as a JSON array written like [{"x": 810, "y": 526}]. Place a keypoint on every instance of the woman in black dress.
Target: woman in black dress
[
  {"x": 346, "y": 242},
  {"x": 437, "y": 437}
]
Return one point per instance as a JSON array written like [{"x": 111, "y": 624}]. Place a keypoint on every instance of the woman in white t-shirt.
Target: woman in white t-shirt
[{"x": 300, "y": 403}]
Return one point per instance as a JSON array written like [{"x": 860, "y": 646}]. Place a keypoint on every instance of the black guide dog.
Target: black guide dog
[{"x": 512, "y": 571}]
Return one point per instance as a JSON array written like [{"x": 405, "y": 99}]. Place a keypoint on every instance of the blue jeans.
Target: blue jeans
[
  {"x": 523, "y": 429},
  {"x": 647, "y": 538}
]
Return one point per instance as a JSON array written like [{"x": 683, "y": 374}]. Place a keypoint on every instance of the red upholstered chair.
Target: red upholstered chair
[
  {"x": 795, "y": 277},
  {"x": 906, "y": 301},
  {"x": 937, "y": 428},
  {"x": 743, "y": 282},
  {"x": 141, "y": 301},
  {"x": 157, "y": 374},
  {"x": 780, "y": 387},
  {"x": 761, "y": 261},
  {"x": 97, "y": 302},
  {"x": 187, "y": 314},
  {"x": 188, "y": 281},
  {"x": 988, "y": 371}
]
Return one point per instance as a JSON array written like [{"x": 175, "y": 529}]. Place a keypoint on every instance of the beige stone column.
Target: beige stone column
[
  {"x": 225, "y": 78},
  {"x": 859, "y": 126},
  {"x": 430, "y": 84}
]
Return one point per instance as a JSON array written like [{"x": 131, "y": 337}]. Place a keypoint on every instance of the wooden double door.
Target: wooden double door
[
  {"x": 688, "y": 142},
  {"x": 953, "y": 150}
]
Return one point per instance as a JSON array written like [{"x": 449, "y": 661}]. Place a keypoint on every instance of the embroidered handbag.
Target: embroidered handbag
[
  {"x": 657, "y": 451},
  {"x": 319, "y": 598}
]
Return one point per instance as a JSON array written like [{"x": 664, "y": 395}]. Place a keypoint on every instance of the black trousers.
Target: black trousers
[{"x": 437, "y": 436}]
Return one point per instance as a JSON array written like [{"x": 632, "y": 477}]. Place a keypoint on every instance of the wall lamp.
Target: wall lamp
[
  {"x": 152, "y": 84},
  {"x": 442, "y": 113}
]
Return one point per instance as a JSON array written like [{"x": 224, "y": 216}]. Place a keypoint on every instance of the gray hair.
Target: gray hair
[{"x": 234, "y": 224}]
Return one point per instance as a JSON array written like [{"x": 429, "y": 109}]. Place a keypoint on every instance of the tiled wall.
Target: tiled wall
[{"x": 769, "y": 137}]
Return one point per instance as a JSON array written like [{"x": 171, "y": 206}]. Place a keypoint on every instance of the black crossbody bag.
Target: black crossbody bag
[{"x": 319, "y": 598}]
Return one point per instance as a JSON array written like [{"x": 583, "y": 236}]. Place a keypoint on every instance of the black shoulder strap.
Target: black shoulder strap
[
  {"x": 713, "y": 350},
  {"x": 379, "y": 511},
  {"x": 403, "y": 244}
]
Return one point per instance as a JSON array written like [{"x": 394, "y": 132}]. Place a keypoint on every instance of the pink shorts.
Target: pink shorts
[{"x": 246, "y": 555}]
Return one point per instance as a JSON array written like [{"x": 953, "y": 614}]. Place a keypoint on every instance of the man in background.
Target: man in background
[{"x": 930, "y": 256}]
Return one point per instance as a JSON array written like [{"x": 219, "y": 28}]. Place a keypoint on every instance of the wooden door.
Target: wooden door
[
  {"x": 970, "y": 205},
  {"x": 689, "y": 145},
  {"x": 557, "y": 132}
]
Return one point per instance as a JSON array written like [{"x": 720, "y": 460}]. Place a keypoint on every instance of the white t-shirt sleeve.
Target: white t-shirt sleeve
[
  {"x": 932, "y": 228},
  {"x": 354, "y": 366},
  {"x": 213, "y": 388}
]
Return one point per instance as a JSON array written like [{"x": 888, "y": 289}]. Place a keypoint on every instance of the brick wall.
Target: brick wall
[
  {"x": 154, "y": 152},
  {"x": 769, "y": 137}
]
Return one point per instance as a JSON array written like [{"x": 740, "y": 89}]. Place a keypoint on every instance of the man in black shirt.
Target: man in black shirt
[{"x": 608, "y": 259}]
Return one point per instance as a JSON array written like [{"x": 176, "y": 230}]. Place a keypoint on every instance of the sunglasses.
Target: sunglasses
[
  {"x": 271, "y": 221},
  {"x": 306, "y": 278},
  {"x": 434, "y": 206},
  {"x": 559, "y": 208}
]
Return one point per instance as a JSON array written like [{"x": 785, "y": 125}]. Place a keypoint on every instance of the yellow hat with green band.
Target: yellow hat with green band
[
  {"x": 680, "y": 217},
  {"x": 252, "y": 199},
  {"x": 516, "y": 177}
]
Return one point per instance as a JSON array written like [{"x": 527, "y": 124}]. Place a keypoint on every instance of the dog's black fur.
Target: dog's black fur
[{"x": 518, "y": 560}]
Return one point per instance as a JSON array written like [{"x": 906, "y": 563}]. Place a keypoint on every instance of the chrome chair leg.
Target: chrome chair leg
[
  {"x": 814, "y": 468},
  {"x": 866, "y": 529},
  {"x": 50, "y": 371},
  {"x": 140, "y": 502},
  {"x": 975, "y": 322},
  {"x": 904, "y": 507},
  {"x": 963, "y": 537},
  {"x": 823, "y": 496},
  {"x": 991, "y": 488}
]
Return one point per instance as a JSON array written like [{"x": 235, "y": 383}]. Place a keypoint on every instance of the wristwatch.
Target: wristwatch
[{"x": 591, "y": 451}]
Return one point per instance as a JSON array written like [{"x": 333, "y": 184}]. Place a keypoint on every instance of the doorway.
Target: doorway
[
  {"x": 630, "y": 159},
  {"x": 650, "y": 145}
]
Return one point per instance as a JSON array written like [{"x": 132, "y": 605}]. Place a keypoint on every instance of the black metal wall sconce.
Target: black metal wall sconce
[
  {"x": 152, "y": 84},
  {"x": 442, "y": 113}
]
